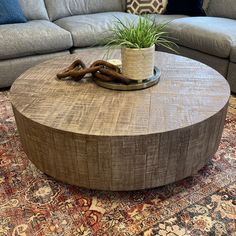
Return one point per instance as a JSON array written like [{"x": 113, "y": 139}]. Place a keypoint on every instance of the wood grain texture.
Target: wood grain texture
[{"x": 97, "y": 138}]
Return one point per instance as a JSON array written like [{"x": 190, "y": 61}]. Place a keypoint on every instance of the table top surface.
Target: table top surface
[{"x": 189, "y": 92}]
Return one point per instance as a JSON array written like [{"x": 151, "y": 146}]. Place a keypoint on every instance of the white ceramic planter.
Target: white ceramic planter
[{"x": 138, "y": 64}]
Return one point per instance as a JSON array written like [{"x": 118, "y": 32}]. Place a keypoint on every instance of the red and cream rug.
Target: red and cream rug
[{"x": 34, "y": 204}]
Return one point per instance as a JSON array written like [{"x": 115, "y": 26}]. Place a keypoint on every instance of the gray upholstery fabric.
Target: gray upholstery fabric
[
  {"x": 222, "y": 8},
  {"x": 232, "y": 77},
  {"x": 219, "y": 64},
  {"x": 62, "y": 8},
  {"x": 33, "y": 37},
  {"x": 165, "y": 18},
  {"x": 34, "y": 9},
  {"x": 92, "y": 29},
  {"x": 88, "y": 49},
  {"x": 233, "y": 53},
  {"x": 123, "y": 5},
  {"x": 212, "y": 35},
  {"x": 19, "y": 65}
]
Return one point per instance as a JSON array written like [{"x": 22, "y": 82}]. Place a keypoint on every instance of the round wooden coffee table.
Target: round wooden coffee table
[{"x": 98, "y": 138}]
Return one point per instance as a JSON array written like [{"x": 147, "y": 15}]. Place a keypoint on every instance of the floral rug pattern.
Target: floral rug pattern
[{"x": 34, "y": 204}]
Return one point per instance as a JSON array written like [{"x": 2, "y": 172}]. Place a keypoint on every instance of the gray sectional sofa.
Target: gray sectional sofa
[{"x": 61, "y": 27}]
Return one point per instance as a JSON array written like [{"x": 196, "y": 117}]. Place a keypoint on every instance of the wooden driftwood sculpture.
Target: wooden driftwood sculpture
[{"x": 100, "y": 69}]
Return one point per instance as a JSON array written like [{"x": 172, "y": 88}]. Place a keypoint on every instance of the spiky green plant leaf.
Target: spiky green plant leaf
[{"x": 143, "y": 33}]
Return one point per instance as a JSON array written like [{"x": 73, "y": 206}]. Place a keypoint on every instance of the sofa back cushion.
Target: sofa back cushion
[
  {"x": 34, "y": 9},
  {"x": 220, "y": 8},
  {"x": 62, "y": 8}
]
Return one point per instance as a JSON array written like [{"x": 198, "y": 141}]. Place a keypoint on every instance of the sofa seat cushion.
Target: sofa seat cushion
[
  {"x": 232, "y": 77},
  {"x": 212, "y": 35},
  {"x": 31, "y": 38},
  {"x": 160, "y": 19},
  {"x": 92, "y": 29},
  {"x": 34, "y": 9},
  {"x": 233, "y": 53}
]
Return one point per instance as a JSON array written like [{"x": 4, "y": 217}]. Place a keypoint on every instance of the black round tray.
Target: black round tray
[{"x": 134, "y": 84}]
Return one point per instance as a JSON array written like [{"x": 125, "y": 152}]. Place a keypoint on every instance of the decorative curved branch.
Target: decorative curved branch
[{"x": 100, "y": 69}]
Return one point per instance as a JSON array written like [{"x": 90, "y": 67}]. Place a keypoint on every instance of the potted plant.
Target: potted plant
[{"x": 137, "y": 40}]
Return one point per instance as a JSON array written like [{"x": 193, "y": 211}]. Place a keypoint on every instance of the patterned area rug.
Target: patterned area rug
[{"x": 34, "y": 204}]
